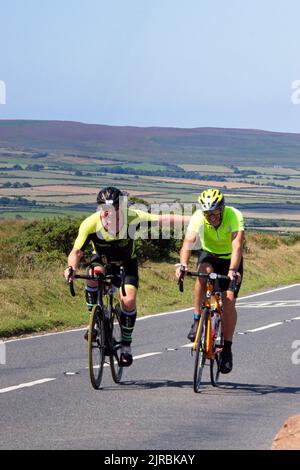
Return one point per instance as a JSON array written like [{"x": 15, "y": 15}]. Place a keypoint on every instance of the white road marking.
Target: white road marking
[
  {"x": 271, "y": 325},
  {"x": 142, "y": 356},
  {"x": 146, "y": 317},
  {"x": 135, "y": 358},
  {"x": 270, "y": 304},
  {"x": 28, "y": 384},
  {"x": 269, "y": 291}
]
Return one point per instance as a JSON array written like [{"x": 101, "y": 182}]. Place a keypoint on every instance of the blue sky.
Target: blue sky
[{"x": 174, "y": 63}]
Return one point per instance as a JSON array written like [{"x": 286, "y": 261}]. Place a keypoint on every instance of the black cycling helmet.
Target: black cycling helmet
[{"x": 109, "y": 196}]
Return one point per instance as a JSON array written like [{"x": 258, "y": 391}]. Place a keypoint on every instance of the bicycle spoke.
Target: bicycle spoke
[
  {"x": 96, "y": 346},
  {"x": 116, "y": 369},
  {"x": 217, "y": 349},
  {"x": 200, "y": 357}
]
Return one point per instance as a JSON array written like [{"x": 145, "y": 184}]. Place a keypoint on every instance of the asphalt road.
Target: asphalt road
[{"x": 47, "y": 402}]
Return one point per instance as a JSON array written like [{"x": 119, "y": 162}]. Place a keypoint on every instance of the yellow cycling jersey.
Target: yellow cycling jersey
[
  {"x": 217, "y": 240},
  {"x": 118, "y": 247}
]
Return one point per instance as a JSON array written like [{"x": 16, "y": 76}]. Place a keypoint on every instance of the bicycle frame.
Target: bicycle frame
[
  {"x": 104, "y": 320},
  {"x": 211, "y": 305},
  {"x": 206, "y": 344}
]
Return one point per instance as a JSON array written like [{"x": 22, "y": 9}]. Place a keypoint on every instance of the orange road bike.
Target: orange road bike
[
  {"x": 209, "y": 339},
  {"x": 105, "y": 331}
]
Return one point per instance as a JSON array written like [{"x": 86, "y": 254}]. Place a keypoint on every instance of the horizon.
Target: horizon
[{"x": 153, "y": 127}]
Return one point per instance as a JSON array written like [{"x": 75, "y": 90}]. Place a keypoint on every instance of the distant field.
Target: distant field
[
  {"x": 67, "y": 184},
  {"x": 217, "y": 184},
  {"x": 222, "y": 169}
]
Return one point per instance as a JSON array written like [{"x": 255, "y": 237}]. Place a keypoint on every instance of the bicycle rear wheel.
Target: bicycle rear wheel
[
  {"x": 217, "y": 348},
  {"x": 116, "y": 337},
  {"x": 96, "y": 347},
  {"x": 200, "y": 357}
]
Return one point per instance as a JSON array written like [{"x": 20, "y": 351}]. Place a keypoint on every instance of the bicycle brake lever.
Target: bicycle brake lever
[
  {"x": 70, "y": 282},
  {"x": 122, "y": 274}
]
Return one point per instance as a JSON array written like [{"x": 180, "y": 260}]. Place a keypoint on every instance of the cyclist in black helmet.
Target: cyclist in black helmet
[
  {"x": 108, "y": 231},
  {"x": 218, "y": 231}
]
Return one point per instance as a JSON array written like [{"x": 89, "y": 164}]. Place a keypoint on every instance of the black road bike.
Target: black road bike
[{"x": 105, "y": 331}]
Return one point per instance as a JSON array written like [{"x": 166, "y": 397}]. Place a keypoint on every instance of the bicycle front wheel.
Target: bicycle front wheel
[
  {"x": 96, "y": 347},
  {"x": 217, "y": 348},
  {"x": 116, "y": 337},
  {"x": 200, "y": 357}
]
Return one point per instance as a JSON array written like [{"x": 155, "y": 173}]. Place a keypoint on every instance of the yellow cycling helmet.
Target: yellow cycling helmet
[{"x": 211, "y": 199}]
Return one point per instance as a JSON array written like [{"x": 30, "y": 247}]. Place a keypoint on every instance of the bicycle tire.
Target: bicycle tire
[
  {"x": 96, "y": 347},
  {"x": 200, "y": 357},
  {"x": 217, "y": 348},
  {"x": 116, "y": 338}
]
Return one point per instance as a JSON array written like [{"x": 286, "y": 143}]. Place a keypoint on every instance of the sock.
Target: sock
[
  {"x": 90, "y": 296},
  {"x": 227, "y": 345},
  {"x": 196, "y": 316},
  {"x": 127, "y": 322}
]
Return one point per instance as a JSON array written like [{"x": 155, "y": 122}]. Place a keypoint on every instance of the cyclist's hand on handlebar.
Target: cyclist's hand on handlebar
[
  {"x": 235, "y": 276},
  {"x": 69, "y": 273},
  {"x": 180, "y": 270}
]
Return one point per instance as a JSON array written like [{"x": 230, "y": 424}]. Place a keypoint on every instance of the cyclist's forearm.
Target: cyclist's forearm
[
  {"x": 236, "y": 258},
  {"x": 74, "y": 258},
  {"x": 174, "y": 219},
  {"x": 184, "y": 256}
]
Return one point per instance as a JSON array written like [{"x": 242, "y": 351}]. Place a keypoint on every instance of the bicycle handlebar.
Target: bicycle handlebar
[
  {"x": 210, "y": 276},
  {"x": 100, "y": 277}
]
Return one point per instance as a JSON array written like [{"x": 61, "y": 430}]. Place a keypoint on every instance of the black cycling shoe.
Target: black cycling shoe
[
  {"x": 226, "y": 361},
  {"x": 192, "y": 333},
  {"x": 126, "y": 359},
  {"x": 86, "y": 335}
]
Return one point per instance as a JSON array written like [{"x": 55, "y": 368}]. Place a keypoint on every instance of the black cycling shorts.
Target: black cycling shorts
[
  {"x": 220, "y": 266},
  {"x": 130, "y": 268}
]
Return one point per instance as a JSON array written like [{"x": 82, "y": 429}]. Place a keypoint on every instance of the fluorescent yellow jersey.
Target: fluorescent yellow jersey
[
  {"x": 217, "y": 241},
  {"x": 118, "y": 247}
]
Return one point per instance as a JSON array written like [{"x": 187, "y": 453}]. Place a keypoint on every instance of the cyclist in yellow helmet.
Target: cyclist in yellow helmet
[{"x": 218, "y": 231}]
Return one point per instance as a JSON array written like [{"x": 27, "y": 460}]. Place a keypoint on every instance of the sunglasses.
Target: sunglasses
[{"x": 212, "y": 213}]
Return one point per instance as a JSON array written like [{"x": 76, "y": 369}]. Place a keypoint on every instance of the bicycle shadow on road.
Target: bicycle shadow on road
[
  {"x": 149, "y": 385},
  {"x": 225, "y": 388},
  {"x": 248, "y": 389}
]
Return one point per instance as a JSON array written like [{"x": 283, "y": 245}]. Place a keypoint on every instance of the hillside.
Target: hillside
[{"x": 206, "y": 145}]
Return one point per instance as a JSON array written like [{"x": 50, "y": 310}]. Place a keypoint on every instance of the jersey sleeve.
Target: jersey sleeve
[
  {"x": 142, "y": 216},
  {"x": 237, "y": 221},
  {"x": 82, "y": 238},
  {"x": 196, "y": 222}
]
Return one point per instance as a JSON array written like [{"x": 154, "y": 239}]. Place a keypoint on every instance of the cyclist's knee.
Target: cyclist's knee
[
  {"x": 203, "y": 268},
  {"x": 94, "y": 270},
  {"x": 129, "y": 301},
  {"x": 228, "y": 299}
]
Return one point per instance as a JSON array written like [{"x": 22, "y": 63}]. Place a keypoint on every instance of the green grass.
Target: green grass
[{"x": 35, "y": 298}]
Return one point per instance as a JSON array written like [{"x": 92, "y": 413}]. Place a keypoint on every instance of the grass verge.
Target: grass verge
[{"x": 38, "y": 300}]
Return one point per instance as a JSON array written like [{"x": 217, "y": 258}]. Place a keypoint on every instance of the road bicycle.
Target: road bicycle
[
  {"x": 105, "y": 331},
  {"x": 209, "y": 340}
]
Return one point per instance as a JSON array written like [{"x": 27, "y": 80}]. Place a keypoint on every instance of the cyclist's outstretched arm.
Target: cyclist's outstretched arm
[
  {"x": 185, "y": 252},
  {"x": 174, "y": 219},
  {"x": 73, "y": 260}
]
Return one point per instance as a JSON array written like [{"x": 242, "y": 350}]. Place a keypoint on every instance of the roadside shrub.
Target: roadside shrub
[
  {"x": 269, "y": 242},
  {"x": 291, "y": 239},
  {"x": 47, "y": 236}
]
